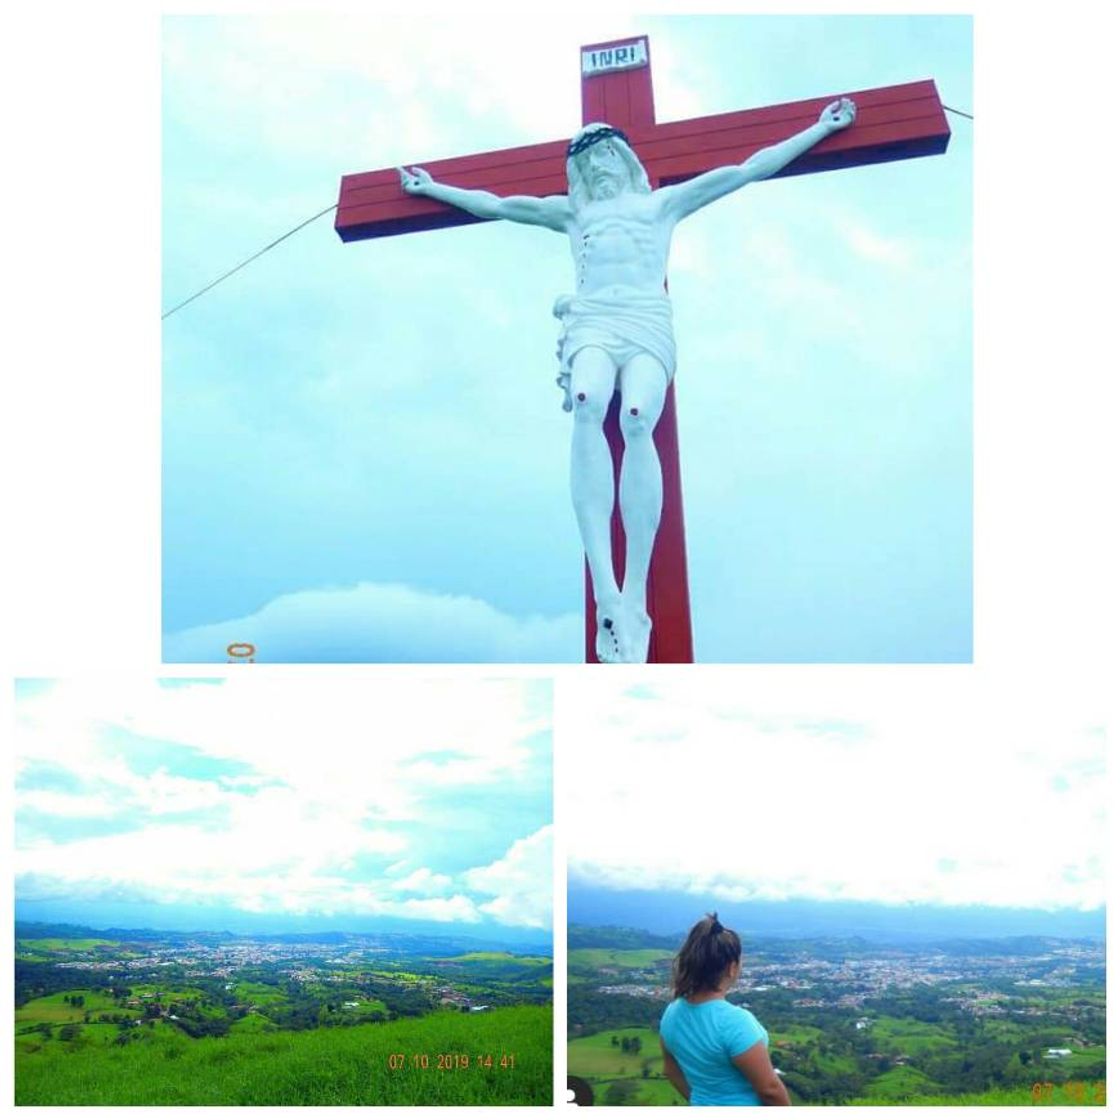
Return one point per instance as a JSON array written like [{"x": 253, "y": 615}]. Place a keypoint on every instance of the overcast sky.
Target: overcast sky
[
  {"x": 364, "y": 452},
  {"x": 894, "y": 789},
  {"x": 422, "y": 799}
]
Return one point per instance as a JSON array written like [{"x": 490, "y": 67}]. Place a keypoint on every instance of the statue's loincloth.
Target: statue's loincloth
[{"x": 622, "y": 325}]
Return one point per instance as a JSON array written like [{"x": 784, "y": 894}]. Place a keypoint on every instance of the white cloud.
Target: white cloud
[
  {"x": 341, "y": 771},
  {"x": 352, "y": 747},
  {"x": 383, "y": 623},
  {"x": 456, "y": 909},
  {"x": 950, "y": 791},
  {"x": 65, "y": 804},
  {"x": 423, "y": 881},
  {"x": 520, "y": 882}
]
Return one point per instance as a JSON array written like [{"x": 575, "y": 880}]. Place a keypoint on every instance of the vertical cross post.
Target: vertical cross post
[{"x": 617, "y": 88}]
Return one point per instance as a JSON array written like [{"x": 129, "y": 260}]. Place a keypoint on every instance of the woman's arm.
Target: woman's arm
[
  {"x": 754, "y": 1065},
  {"x": 674, "y": 1073}
]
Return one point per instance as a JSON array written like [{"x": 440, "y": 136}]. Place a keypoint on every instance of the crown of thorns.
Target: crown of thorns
[{"x": 589, "y": 138}]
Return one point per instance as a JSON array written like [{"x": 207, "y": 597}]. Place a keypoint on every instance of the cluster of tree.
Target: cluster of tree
[
  {"x": 202, "y": 1026},
  {"x": 75, "y": 1001},
  {"x": 34, "y": 979},
  {"x": 817, "y": 1087},
  {"x": 590, "y": 1011},
  {"x": 628, "y": 1045}
]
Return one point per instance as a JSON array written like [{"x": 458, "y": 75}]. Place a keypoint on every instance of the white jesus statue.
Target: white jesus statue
[{"x": 617, "y": 333}]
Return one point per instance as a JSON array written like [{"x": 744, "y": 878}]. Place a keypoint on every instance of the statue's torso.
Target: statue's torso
[{"x": 620, "y": 242}]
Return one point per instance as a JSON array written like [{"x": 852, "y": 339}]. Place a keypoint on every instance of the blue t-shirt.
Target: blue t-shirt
[{"x": 704, "y": 1037}]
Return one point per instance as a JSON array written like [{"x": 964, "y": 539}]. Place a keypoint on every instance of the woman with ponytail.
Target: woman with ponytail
[{"x": 715, "y": 1052}]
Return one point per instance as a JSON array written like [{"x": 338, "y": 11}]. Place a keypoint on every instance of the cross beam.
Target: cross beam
[{"x": 894, "y": 122}]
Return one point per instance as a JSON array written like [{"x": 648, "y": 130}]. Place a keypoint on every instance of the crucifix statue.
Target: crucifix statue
[
  {"x": 618, "y": 195},
  {"x": 617, "y": 333}
]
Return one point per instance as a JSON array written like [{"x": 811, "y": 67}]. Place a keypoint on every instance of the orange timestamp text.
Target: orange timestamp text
[
  {"x": 1068, "y": 1092},
  {"x": 451, "y": 1061}
]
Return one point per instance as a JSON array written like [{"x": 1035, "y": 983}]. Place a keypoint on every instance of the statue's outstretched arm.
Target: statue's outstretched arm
[
  {"x": 682, "y": 199},
  {"x": 552, "y": 212}
]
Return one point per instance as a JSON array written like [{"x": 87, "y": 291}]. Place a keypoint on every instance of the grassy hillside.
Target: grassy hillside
[
  {"x": 328, "y": 1066},
  {"x": 631, "y": 1077}
]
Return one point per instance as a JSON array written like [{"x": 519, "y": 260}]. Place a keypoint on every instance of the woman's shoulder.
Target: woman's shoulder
[
  {"x": 739, "y": 1014},
  {"x": 727, "y": 1008}
]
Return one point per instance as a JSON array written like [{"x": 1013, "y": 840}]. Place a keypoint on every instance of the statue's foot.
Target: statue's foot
[
  {"x": 609, "y": 641},
  {"x": 639, "y": 626}
]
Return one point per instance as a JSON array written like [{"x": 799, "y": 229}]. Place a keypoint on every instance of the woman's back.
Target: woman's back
[{"x": 703, "y": 1038}]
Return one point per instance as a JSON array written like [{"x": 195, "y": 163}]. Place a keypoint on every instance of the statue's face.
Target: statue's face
[{"x": 606, "y": 170}]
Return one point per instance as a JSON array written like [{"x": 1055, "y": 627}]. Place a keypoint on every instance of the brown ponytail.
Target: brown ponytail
[{"x": 703, "y": 958}]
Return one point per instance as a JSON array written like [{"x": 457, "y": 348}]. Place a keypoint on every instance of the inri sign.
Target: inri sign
[{"x": 626, "y": 57}]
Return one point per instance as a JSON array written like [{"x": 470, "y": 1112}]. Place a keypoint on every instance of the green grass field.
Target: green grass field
[
  {"x": 253, "y": 1023},
  {"x": 618, "y": 958},
  {"x": 52, "y": 1009},
  {"x": 61, "y": 944},
  {"x": 1075, "y": 1065},
  {"x": 1089, "y": 1093},
  {"x": 602, "y": 1066},
  {"x": 328, "y": 1066},
  {"x": 507, "y": 957},
  {"x": 901, "y": 1083},
  {"x": 910, "y": 1036},
  {"x": 261, "y": 995},
  {"x": 799, "y": 1036}
]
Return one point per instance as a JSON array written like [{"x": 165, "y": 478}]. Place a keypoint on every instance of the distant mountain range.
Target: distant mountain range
[
  {"x": 670, "y": 914},
  {"x": 441, "y": 944},
  {"x": 198, "y": 919}
]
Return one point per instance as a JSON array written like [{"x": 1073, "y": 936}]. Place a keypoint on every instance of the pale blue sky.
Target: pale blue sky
[
  {"x": 428, "y": 800},
  {"x": 364, "y": 453}
]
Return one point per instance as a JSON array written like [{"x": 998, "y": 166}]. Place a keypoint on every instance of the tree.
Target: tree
[{"x": 620, "y": 1092}]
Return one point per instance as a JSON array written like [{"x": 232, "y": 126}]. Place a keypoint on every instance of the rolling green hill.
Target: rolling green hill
[{"x": 618, "y": 958}]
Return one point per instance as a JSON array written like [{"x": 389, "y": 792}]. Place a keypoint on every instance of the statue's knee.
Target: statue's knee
[
  {"x": 635, "y": 422},
  {"x": 589, "y": 408}
]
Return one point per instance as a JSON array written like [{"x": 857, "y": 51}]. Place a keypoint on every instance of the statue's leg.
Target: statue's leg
[
  {"x": 640, "y": 490},
  {"x": 593, "y": 377}
]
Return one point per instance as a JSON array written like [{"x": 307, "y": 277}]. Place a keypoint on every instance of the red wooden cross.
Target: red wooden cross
[{"x": 893, "y": 122}]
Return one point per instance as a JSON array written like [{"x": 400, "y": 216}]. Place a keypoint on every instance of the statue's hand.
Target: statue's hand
[
  {"x": 839, "y": 114},
  {"x": 415, "y": 181}
]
